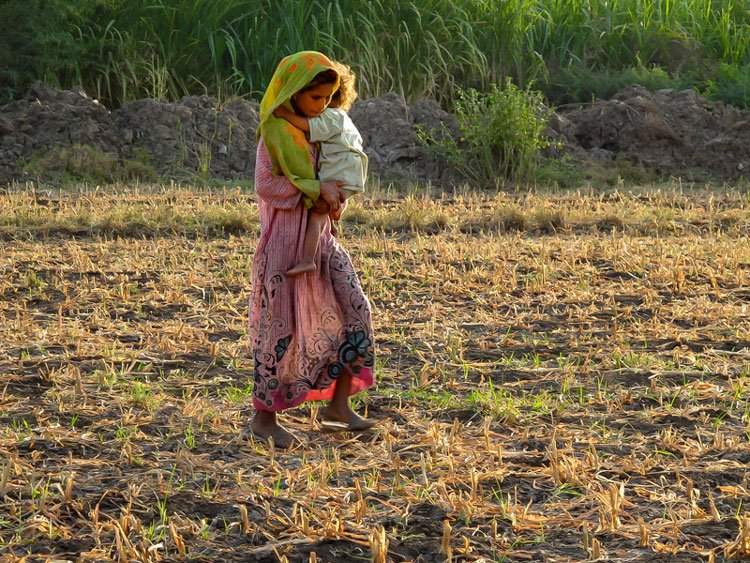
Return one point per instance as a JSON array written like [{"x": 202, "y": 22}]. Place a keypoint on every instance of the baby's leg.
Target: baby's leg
[
  {"x": 315, "y": 224},
  {"x": 336, "y": 215},
  {"x": 345, "y": 195}
]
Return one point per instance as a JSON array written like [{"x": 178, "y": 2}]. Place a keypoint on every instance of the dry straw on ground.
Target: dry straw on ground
[{"x": 562, "y": 389}]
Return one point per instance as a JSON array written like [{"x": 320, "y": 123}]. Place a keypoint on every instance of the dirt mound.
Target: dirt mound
[
  {"x": 389, "y": 133},
  {"x": 671, "y": 132},
  {"x": 51, "y": 134},
  {"x": 192, "y": 134}
]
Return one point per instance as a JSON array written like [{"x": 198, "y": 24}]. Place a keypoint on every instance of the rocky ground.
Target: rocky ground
[{"x": 50, "y": 133}]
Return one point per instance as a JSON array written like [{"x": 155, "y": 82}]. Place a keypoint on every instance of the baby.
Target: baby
[{"x": 341, "y": 157}]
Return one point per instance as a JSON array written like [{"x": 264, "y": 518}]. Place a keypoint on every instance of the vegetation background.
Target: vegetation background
[{"x": 571, "y": 50}]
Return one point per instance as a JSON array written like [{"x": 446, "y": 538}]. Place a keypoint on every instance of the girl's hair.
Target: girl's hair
[
  {"x": 325, "y": 77},
  {"x": 345, "y": 96}
]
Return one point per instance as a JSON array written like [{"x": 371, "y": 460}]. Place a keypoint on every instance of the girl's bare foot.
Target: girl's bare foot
[
  {"x": 340, "y": 419},
  {"x": 264, "y": 427},
  {"x": 302, "y": 268}
]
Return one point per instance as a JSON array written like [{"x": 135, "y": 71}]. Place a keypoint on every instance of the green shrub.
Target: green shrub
[
  {"x": 87, "y": 163},
  {"x": 724, "y": 82},
  {"x": 731, "y": 85},
  {"x": 502, "y": 134},
  {"x": 40, "y": 41},
  {"x": 583, "y": 84},
  {"x": 562, "y": 172}
]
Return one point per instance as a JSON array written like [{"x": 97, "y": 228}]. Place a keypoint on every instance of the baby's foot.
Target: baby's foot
[{"x": 301, "y": 268}]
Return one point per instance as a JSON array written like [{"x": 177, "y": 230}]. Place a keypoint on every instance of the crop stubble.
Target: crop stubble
[{"x": 545, "y": 395}]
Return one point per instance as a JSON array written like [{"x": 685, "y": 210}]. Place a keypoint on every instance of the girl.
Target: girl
[
  {"x": 341, "y": 155},
  {"x": 311, "y": 335}
]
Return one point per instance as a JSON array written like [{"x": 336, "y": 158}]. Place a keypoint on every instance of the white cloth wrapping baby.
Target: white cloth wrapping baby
[{"x": 341, "y": 156}]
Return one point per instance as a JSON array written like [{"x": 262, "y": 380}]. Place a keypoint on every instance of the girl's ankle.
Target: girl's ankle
[{"x": 265, "y": 417}]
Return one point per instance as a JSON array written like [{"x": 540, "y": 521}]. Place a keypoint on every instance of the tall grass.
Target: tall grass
[
  {"x": 422, "y": 48},
  {"x": 138, "y": 48}
]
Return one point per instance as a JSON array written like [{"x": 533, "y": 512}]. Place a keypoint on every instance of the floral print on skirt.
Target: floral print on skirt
[{"x": 306, "y": 331}]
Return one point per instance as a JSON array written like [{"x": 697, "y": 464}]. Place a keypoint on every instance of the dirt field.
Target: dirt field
[{"x": 562, "y": 377}]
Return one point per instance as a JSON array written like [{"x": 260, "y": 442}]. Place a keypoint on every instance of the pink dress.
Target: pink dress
[{"x": 306, "y": 331}]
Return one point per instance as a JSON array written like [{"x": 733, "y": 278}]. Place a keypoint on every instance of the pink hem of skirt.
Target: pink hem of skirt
[{"x": 361, "y": 381}]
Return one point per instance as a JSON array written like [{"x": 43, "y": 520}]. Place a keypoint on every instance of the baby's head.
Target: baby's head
[{"x": 345, "y": 96}]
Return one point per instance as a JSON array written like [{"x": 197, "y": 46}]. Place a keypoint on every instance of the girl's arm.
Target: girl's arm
[
  {"x": 277, "y": 191},
  {"x": 293, "y": 118}
]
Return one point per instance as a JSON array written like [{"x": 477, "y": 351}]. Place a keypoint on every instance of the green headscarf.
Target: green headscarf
[{"x": 287, "y": 145}]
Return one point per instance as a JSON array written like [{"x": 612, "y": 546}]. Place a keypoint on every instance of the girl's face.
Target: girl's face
[{"x": 312, "y": 102}]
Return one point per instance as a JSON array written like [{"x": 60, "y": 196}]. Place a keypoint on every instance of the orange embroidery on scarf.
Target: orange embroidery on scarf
[
  {"x": 297, "y": 136},
  {"x": 276, "y": 86},
  {"x": 291, "y": 68},
  {"x": 309, "y": 61}
]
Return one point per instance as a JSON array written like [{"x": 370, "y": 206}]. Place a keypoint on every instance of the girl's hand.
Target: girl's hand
[
  {"x": 321, "y": 207},
  {"x": 331, "y": 193}
]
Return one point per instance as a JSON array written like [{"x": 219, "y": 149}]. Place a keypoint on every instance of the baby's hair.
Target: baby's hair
[{"x": 345, "y": 96}]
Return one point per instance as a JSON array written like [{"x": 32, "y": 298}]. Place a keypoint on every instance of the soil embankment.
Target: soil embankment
[{"x": 51, "y": 133}]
